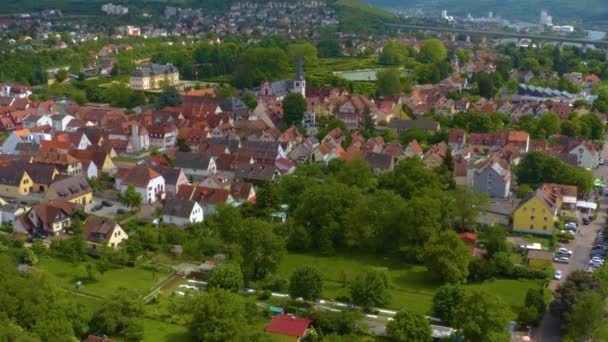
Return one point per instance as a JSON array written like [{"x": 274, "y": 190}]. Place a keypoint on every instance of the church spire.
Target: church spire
[{"x": 300, "y": 70}]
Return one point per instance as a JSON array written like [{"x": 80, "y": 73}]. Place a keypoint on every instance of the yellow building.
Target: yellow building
[
  {"x": 539, "y": 259},
  {"x": 536, "y": 214},
  {"x": 15, "y": 182},
  {"x": 75, "y": 189},
  {"x": 154, "y": 76}
]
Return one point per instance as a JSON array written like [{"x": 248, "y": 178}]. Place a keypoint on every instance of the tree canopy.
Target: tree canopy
[{"x": 409, "y": 326}]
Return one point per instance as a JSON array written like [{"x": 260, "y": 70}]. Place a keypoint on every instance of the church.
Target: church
[{"x": 277, "y": 90}]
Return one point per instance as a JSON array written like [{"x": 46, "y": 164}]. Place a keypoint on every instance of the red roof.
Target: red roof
[
  {"x": 468, "y": 236},
  {"x": 286, "y": 324}
]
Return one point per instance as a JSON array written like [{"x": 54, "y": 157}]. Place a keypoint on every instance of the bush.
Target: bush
[
  {"x": 264, "y": 295},
  {"x": 275, "y": 284}
]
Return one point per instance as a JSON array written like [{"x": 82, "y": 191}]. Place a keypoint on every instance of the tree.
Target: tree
[
  {"x": 550, "y": 123},
  {"x": 447, "y": 257},
  {"x": 116, "y": 316},
  {"x": 29, "y": 257},
  {"x": 392, "y": 54},
  {"x": 61, "y": 75},
  {"x": 131, "y": 198},
  {"x": 261, "y": 249},
  {"x": 432, "y": 51},
  {"x": 534, "y": 307},
  {"x": 258, "y": 64},
  {"x": 565, "y": 296},
  {"x": 225, "y": 92},
  {"x": 445, "y": 302},
  {"x": 409, "y": 326},
  {"x": 388, "y": 81},
  {"x": 305, "y": 282},
  {"x": 294, "y": 107},
  {"x": 158, "y": 212},
  {"x": 586, "y": 316},
  {"x": 249, "y": 99},
  {"x": 358, "y": 173},
  {"x": 485, "y": 83},
  {"x": 308, "y": 52},
  {"x": 218, "y": 315},
  {"x": 468, "y": 203},
  {"x": 329, "y": 48},
  {"x": 483, "y": 317},
  {"x": 227, "y": 277},
  {"x": 169, "y": 98},
  {"x": 370, "y": 288},
  {"x": 495, "y": 240}
]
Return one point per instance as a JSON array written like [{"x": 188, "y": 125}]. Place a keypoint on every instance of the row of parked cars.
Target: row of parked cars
[{"x": 598, "y": 252}]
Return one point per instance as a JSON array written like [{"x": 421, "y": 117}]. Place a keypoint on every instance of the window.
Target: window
[
  {"x": 532, "y": 226},
  {"x": 545, "y": 218},
  {"x": 544, "y": 227},
  {"x": 531, "y": 217},
  {"x": 533, "y": 209}
]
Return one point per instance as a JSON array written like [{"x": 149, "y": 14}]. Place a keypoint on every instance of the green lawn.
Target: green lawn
[
  {"x": 128, "y": 277},
  {"x": 160, "y": 331},
  {"x": 411, "y": 286}
]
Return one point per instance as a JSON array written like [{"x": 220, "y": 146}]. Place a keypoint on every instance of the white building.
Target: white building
[
  {"x": 149, "y": 183},
  {"x": 182, "y": 212}
]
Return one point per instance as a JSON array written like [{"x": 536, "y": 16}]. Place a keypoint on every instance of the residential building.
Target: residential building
[
  {"x": 148, "y": 182},
  {"x": 399, "y": 126},
  {"x": 15, "y": 182},
  {"x": 493, "y": 178},
  {"x": 539, "y": 259},
  {"x": 182, "y": 212},
  {"x": 102, "y": 231},
  {"x": 50, "y": 218},
  {"x": 352, "y": 111},
  {"x": 195, "y": 165},
  {"x": 74, "y": 189},
  {"x": 536, "y": 214},
  {"x": 162, "y": 137},
  {"x": 154, "y": 76}
]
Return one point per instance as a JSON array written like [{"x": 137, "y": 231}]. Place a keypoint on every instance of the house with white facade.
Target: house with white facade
[
  {"x": 60, "y": 121},
  {"x": 32, "y": 121},
  {"x": 102, "y": 231},
  {"x": 148, "y": 182},
  {"x": 182, "y": 212},
  {"x": 195, "y": 165}
]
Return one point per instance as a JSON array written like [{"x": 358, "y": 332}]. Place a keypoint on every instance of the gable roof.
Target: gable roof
[
  {"x": 139, "y": 176},
  {"x": 179, "y": 208},
  {"x": 194, "y": 161},
  {"x": 290, "y": 325},
  {"x": 99, "y": 229},
  {"x": 71, "y": 187}
]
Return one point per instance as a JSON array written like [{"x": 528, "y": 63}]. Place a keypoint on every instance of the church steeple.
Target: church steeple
[
  {"x": 299, "y": 84},
  {"x": 300, "y": 70}
]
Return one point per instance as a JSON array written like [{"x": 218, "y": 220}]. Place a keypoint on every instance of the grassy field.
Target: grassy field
[
  {"x": 411, "y": 286},
  {"x": 129, "y": 277},
  {"x": 161, "y": 331}
]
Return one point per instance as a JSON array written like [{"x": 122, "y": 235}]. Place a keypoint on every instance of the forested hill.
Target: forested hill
[{"x": 562, "y": 10}]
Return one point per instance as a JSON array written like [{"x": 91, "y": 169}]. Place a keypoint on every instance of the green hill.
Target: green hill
[{"x": 581, "y": 11}]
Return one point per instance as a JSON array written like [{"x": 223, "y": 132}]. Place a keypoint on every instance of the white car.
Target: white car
[
  {"x": 564, "y": 251},
  {"x": 570, "y": 225},
  {"x": 557, "y": 275}
]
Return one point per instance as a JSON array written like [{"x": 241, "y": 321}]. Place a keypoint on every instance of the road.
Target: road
[
  {"x": 598, "y": 44},
  {"x": 550, "y": 327}
]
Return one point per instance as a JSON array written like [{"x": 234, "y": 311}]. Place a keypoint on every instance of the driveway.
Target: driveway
[
  {"x": 109, "y": 212},
  {"x": 550, "y": 327}
]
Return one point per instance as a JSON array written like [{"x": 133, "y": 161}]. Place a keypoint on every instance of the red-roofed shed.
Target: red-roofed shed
[{"x": 288, "y": 325}]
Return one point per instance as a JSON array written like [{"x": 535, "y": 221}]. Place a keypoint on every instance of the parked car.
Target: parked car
[
  {"x": 586, "y": 221},
  {"x": 563, "y": 250},
  {"x": 97, "y": 207},
  {"x": 562, "y": 260},
  {"x": 120, "y": 211},
  {"x": 106, "y": 203},
  {"x": 570, "y": 224},
  {"x": 557, "y": 275}
]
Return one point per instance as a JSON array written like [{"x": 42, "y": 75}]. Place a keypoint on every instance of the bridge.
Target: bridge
[{"x": 492, "y": 34}]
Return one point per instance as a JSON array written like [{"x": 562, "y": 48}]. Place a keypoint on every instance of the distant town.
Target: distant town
[{"x": 302, "y": 171}]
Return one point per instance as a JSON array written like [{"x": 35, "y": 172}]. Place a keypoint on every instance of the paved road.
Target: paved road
[{"x": 550, "y": 327}]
